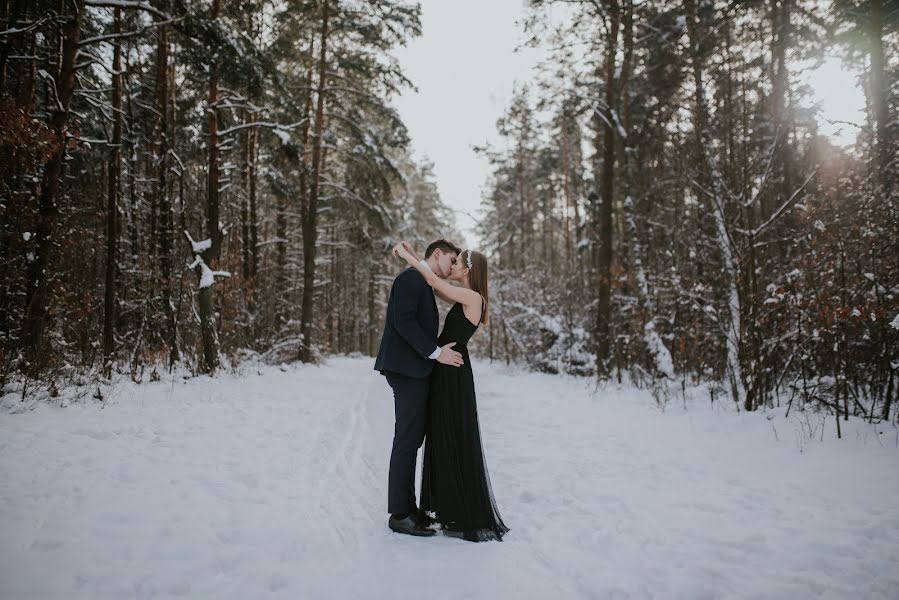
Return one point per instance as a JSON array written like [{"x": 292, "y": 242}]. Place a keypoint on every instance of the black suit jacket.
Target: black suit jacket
[{"x": 410, "y": 330}]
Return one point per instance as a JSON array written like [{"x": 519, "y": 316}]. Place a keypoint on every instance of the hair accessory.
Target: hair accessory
[{"x": 468, "y": 260}]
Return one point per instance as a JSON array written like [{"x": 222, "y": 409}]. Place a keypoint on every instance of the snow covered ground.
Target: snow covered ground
[{"x": 273, "y": 484}]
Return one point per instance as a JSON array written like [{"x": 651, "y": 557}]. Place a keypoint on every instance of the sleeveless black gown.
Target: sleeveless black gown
[{"x": 455, "y": 486}]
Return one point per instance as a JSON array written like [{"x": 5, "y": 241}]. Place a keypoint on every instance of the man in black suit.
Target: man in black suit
[{"x": 406, "y": 356}]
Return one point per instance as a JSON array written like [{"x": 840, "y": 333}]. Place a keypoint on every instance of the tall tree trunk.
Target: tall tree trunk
[
  {"x": 12, "y": 16},
  {"x": 245, "y": 201},
  {"x": 207, "y": 316},
  {"x": 524, "y": 222},
  {"x": 566, "y": 189},
  {"x": 709, "y": 162},
  {"x": 886, "y": 157},
  {"x": 780, "y": 92},
  {"x": 133, "y": 200},
  {"x": 284, "y": 308},
  {"x": 604, "y": 125},
  {"x": 335, "y": 335},
  {"x": 36, "y": 294},
  {"x": 112, "y": 206},
  {"x": 283, "y": 303},
  {"x": 161, "y": 145},
  {"x": 879, "y": 100},
  {"x": 372, "y": 330},
  {"x": 575, "y": 177},
  {"x": 889, "y": 396},
  {"x": 310, "y": 211},
  {"x": 248, "y": 228},
  {"x": 254, "y": 227}
]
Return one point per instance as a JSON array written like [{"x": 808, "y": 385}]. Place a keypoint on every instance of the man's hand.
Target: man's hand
[{"x": 450, "y": 357}]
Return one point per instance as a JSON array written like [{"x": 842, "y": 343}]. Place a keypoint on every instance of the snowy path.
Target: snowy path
[{"x": 275, "y": 486}]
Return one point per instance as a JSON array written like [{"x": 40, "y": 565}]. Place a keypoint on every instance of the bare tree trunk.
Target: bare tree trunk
[
  {"x": 750, "y": 335},
  {"x": 254, "y": 228},
  {"x": 133, "y": 200},
  {"x": 112, "y": 210},
  {"x": 335, "y": 335},
  {"x": 566, "y": 189},
  {"x": 281, "y": 308},
  {"x": 709, "y": 162},
  {"x": 12, "y": 15},
  {"x": 165, "y": 220},
  {"x": 310, "y": 210},
  {"x": 523, "y": 221},
  {"x": 879, "y": 98},
  {"x": 574, "y": 179},
  {"x": 372, "y": 330},
  {"x": 245, "y": 201},
  {"x": 889, "y": 397},
  {"x": 207, "y": 319},
  {"x": 605, "y": 139},
  {"x": 36, "y": 294},
  {"x": 780, "y": 92},
  {"x": 285, "y": 305}
]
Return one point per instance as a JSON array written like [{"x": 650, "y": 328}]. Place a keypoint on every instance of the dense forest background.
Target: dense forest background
[{"x": 188, "y": 182}]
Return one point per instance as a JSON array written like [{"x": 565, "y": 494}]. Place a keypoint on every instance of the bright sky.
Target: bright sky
[
  {"x": 840, "y": 99},
  {"x": 465, "y": 66}
]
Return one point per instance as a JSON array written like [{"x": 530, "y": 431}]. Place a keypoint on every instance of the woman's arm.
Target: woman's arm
[
  {"x": 442, "y": 297},
  {"x": 446, "y": 291}
]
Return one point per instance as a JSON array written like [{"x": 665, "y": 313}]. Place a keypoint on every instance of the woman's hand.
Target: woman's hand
[
  {"x": 400, "y": 251},
  {"x": 409, "y": 249}
]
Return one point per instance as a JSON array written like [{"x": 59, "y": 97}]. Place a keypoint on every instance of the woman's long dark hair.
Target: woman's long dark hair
[{"x": 477, "y": 276}]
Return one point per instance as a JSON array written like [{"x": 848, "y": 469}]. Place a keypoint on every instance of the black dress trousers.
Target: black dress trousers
[{"x": 410, "y": 401}]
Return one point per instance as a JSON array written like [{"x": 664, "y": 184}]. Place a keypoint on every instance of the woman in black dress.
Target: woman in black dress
[{"x": 455, "y": 487}]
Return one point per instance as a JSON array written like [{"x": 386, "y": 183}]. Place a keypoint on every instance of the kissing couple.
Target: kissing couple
[{"x": 434, "y": 396}]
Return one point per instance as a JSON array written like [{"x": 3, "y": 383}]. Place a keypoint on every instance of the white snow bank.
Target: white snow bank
[{"x": 273, "y": 485}]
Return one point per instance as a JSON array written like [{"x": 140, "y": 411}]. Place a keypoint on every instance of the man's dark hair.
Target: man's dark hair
[{"x": 444, "y": 245}]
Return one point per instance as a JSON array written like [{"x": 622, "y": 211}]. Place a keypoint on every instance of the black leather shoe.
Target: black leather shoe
[{"x": 408, "y": 526}]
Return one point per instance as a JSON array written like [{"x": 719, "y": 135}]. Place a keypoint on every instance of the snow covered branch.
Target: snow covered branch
[
  {"x": 127, "y": 4},
  {"x": 348, "y": 192},
  {"x": 30, "y": 27},
  {"x": 278, "y": 127},
  {"x": 207, "y": 275},
  {"x": 124, "y": 35},
  {"x": 768, "y": 170},
  {"x": 198, "y": 247},
  {"x": 780, "y": 211}
]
